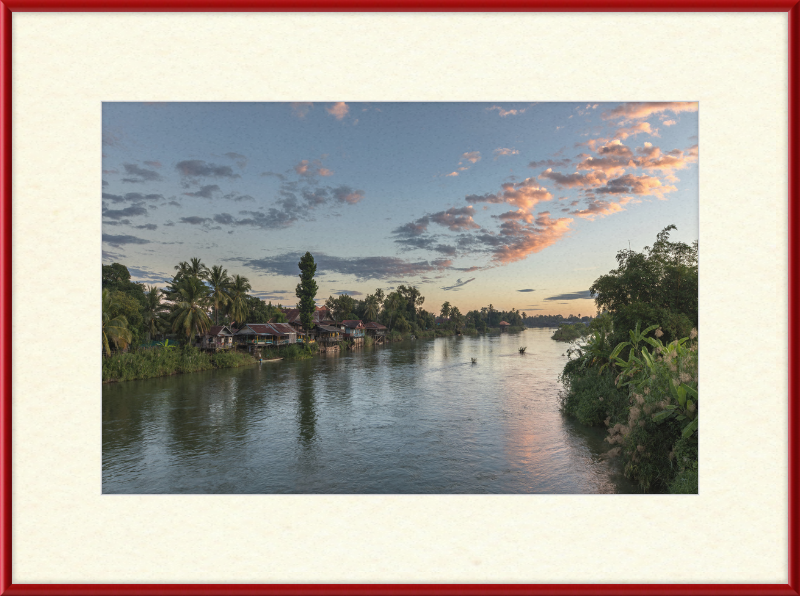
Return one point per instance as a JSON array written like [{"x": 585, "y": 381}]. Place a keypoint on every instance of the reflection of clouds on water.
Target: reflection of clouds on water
[{"x": 411, "y": 417}]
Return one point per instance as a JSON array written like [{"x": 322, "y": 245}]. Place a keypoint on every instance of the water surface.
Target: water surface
[{"x": 411, "y": 417}]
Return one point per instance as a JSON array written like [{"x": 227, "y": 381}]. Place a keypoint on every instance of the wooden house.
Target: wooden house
[
  {"x": 504, "y": 326},
  {"x": 256, "y": 335},
  {"x": 286, "y": 334},
  {"x": 376, "y": 331},
  {"x": 321, "y": 316},
  {"x": 218, "y": 337},
  {"x": 353, "y": 330}
]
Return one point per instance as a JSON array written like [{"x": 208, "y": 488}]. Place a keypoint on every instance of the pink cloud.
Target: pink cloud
[
  {"x": 523, "y": 240},
  {"x": 472, "y": 156},
  {"x": 639, "y": 110},
  {"x": 503, "y": 113},
  {"x": 339, "y": 110},
  {"x": 301, "y": 108}
]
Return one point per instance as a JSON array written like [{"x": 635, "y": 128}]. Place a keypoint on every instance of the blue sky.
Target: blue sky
[{"x": 515, "y": 204}]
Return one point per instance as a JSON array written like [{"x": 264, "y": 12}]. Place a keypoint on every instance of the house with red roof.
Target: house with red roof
[{"x": 218, "y": 337}]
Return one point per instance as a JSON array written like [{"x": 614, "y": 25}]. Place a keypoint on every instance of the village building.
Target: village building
[
  {"x": 253, "y": 336},
  {"x": 353, "y": 331},
  {"x": 321, "y": 316},
  {"x": 376, "y": 331},
  {"x": 218, "y": 337},
  {"x": 504, "y": 326}
]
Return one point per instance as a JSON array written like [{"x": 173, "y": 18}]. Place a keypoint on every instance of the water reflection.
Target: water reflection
[{"x": 415, "y": 417}]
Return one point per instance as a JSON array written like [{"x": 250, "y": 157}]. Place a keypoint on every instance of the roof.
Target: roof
[
  {"x": 259, "y": 328},
  {"x": 374, "y": 326},
  {"x": 329, "y": 329},
  {"x": 283, "y": 328},
  {"x": 351, "y": 324},
  {"x": 217, "y": 330},
  {"x": 504, "y": 323},
  {"x": 293, "y": 314}
]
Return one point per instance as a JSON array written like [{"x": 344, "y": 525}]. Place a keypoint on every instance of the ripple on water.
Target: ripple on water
[{"x": 415, "y": 417}]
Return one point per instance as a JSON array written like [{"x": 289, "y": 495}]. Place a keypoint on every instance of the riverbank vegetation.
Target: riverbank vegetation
[
  {"x": 636, "y": 370},
  {"x": 167, "y": 360},
  {"x": 570, "y": 332}
]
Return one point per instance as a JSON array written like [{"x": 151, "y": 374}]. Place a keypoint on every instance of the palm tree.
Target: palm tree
[
  {"x": 190, "y": 307},
  {"x": 237, "y": 305},
  {"x": 197, "y": 268},
  {"x": 153, "y": 309},
  {"x": 371, "y": 308},
  {"x": 393, "y": 303},
  {"x": 115, "y": 330},
  {"x": 218, "y": 279},
  {"x": 455, "y": 317}
]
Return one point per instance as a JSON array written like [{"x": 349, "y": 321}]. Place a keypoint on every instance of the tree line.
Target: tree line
[{"x": 198, "y": 296}]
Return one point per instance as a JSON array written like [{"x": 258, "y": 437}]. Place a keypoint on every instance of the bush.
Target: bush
[
  {"x": 592, "y": 398},
  {"x": 570, "y": 332}
]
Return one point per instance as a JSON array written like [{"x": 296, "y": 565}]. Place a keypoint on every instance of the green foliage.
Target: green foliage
[
  {"x": 306, "y": 290},
  {"x": 298, "y": 351},
  {"x": 569, "y": 333},
  {"x": 592, "y": 398},
  {"x": 115, "y": 325},
  {"x": 237, "y": 299},
  {"x": 190, "y": 316},
  {"x": 146, "y": 364}
]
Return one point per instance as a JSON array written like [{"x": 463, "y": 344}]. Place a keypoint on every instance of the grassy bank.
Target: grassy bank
[{"x": 146, "y": 364}]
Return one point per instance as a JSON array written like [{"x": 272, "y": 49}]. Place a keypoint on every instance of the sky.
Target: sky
[{"x": 518, "y": 205}]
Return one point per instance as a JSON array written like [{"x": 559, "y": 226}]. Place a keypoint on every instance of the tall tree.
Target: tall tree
[
  {"x": 115, "y": 327},
  {"x": 153, "y": 311},
  {"x": 306, "y": 290},
  {"x": 190, "y": 314},
  {"x": 372, "y": 307},
  {"x": 445, "y": 312},
  {"x": 218, "y": 279},
  {"x": 237, "y": 302}
]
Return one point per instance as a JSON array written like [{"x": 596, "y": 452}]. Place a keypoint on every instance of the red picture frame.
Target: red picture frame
[{"x": 7, "y": 7}]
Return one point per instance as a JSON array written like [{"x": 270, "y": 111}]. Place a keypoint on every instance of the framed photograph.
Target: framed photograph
[{"x": 393, "y": 301}]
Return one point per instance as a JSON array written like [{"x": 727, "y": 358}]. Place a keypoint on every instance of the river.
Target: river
[{"x": 411, "y": 417}]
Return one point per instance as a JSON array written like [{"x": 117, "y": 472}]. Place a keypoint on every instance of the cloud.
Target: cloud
[
  {"x": 240, "y": 159},
  {"x": 525, "y": 194},
  {"x": 140, "y": 174},
  {"x": 669, "y": 122},
  {"x": 235, "y": 196},
  {"x": 456, "y": 219},
  {"x": 458, "y": 285},
  {"x": 550, "y": 163},
  {"x": 639, "y": 110},
  {"x": 120, "y": 240},
  {"x": 414, "y": 228},
  {"x": 280, "y": 177},
  {"x": 651, "y": 158},
  {"x": 131, "y": 197},
  {"x": 504, "y": 151},
  {"x": 147, "y": 227},
  {"x": 112, "y": 138},
  {"x": 526, "y": 290},
  {"x": 584, "y": 295},
  {"x": 105, "y": 183},
  {"x": 451, "y": 174},
  {"x": 593, "y": 178},
  {"x": 111, "y": 256},
  {"x": 195, "y": 220},
  {"x": 471, "y": 156},
  {"x": 629, "y": 131},
  {"x": 301, "y": 108},
  {"x": 600, "y": 208},
  {"x": 362, "y": 268},
  {"x": 520, "y": 240},
  {"x": 311, "y": 168},
  {"x": 132, "y": 211},
  {"x": 503, "y": 112},
  {"x": 348, "y": 293},
  {"x": 345, "y": 194},
  {"x": 638, "y": 185},
  {"x": 207, "y": 192},
  {"x": 338, "y": 110},
  {"x": 196, "y": 168}
]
